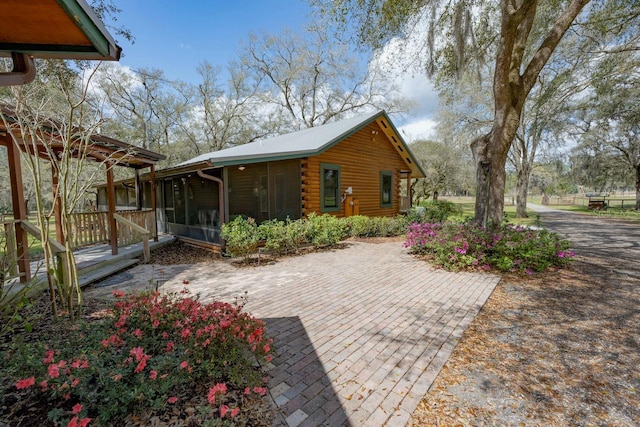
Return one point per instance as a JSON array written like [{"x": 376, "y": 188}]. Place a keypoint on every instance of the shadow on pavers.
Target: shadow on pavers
[{"x": 299, "y": 385}]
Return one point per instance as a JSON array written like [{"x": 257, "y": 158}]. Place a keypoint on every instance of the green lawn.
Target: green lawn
[
  {"x": 614, "y": 211},
  {"x": 618, "y": 207},
  {"x": 468, "y": 207}
]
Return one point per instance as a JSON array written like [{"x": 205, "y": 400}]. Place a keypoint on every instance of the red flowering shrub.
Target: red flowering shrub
[{"x": 151, "y": 351}]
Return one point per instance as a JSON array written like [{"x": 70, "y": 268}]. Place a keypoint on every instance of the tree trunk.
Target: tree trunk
[
  {"x": 490, "y": 178},
  {"x": 638, "y": 187},
  {"x": 522, "y": 189},
  {"x": 512, "y": 82}
]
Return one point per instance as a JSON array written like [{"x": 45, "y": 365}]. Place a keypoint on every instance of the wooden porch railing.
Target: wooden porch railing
[
  {"x": 88, "y": 228},
  {"x": 144, "y": 218},
  {"x": 10, "y": 256},
  {"x": 92, "y": 228},
  {"x": 132, "y": 233}
]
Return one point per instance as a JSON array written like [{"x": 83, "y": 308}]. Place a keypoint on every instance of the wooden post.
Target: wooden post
[
  {"x": 19, "y": 209},
  {"x": 11, "y": 255},
  {"x": 138, "y": 190},
  {"x": 57, "y": 207},
  {"x": 409, "y": 190},
  {"x": 111, "y": 201},
  {"x": 152, "y": 180}
]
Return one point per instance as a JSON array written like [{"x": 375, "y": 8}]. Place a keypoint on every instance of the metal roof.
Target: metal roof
[{"x": 306, "y": 142}]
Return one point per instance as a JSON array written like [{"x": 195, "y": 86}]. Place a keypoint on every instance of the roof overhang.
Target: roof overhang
[
  {"x": 62, "y": 29},
  {"x": 94, "y": 147},
  {"x": 400, "y": 145}
]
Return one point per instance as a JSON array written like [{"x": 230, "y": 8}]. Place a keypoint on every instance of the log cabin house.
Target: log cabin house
[{"x": 355, "y": 166}]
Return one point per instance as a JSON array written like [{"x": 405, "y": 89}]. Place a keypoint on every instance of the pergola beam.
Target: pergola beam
[{"x": 111, "y": 202}]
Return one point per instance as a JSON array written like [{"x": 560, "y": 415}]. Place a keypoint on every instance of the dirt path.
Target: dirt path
[{"x": 559, "y": 348}]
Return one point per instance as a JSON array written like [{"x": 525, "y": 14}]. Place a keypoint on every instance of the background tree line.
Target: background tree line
[{"x": 580, "y": 111}]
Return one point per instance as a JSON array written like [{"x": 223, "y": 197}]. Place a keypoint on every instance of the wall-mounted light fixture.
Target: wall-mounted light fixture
[{"x": 241, "y": 167}]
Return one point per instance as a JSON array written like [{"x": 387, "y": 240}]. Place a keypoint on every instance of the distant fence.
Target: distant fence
[
  {"x": 559, "y": 200},
  {"x": 610, "y": 201}
]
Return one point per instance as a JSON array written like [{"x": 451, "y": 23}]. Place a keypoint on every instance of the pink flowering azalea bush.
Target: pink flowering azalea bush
[
  {"x": 152, "y": 352},
  {"x": 457, "y": 246}
]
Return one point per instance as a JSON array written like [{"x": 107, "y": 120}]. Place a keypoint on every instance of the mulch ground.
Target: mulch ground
[
  {"x": 178, "y": 252},
  {"x": 558, "y": 348}
]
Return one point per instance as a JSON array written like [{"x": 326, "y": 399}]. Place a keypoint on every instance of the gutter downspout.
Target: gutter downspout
[
  {"x": 220, "y": 199},
  {"x": 24, "y": 71}
]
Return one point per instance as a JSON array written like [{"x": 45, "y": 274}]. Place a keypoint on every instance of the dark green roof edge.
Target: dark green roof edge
[
  {"x": 274, "y": 158},
  {"x": 92, "y": 27}
]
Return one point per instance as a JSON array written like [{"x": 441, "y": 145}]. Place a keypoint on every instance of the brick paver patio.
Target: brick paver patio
[{"x": 361, "y": 332}]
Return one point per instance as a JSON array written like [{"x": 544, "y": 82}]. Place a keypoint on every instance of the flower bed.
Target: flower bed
[
  {"x": 506, "y": 248},
  {"x": 151, "y": 355}
]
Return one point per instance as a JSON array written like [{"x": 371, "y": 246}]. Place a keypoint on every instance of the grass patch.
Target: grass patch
[{"x": 467, "y": 206}]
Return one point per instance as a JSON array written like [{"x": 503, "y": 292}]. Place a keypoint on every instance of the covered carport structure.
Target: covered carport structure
[
  {"x": 58, "y": 29},
  {"x": 88, "y": 228}
]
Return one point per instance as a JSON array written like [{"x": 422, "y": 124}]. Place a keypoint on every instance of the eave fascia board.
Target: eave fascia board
[
  {"x": 91, "y": 25},
  {"x": 406, "y": 146}
]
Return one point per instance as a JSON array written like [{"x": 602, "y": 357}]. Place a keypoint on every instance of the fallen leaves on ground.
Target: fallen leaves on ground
[
  {"x": 178, "y": 252},
  {"x": 558, "y": 348}
]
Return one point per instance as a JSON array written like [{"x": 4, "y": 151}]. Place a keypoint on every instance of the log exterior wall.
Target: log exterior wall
[{"x": 362, "y": 158}]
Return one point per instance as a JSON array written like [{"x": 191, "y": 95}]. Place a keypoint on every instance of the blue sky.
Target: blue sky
[{"x": 176, "y": 36}]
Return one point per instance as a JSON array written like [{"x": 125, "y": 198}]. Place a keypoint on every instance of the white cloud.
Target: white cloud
[
  {"x": 420, "y": 128},
  {"x": 400, "y": 60},
  {"x": 419, "y": 89}
]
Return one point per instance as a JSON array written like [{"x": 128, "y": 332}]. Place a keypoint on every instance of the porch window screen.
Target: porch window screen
[
  {"x": 330, "y": 187},
  {"x": 386, "y": 185},
  {"x": 265, "y": 191}
]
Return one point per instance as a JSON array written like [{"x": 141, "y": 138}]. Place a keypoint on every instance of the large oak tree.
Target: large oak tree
[{"x": 457, "y": 33}]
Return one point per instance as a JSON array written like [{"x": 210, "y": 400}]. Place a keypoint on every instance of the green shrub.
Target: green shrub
[
  {"x": 242, "y": 237},
  {"x": 364, "y": 226},
  {"x": 146, "y": 356},
  {"x": 430, "y": 212},
  {"x": 357, "y": 226},
  {"x": 387, "y": 226},
  {"x": 296, "y": 234},
  {"x": 274, "y": 234},
  {"x": 283, "y": 237},
  {"x": 324, "y": 230}
]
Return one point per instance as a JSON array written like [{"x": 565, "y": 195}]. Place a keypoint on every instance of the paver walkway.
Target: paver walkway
[{"x": 361, "y": 332}]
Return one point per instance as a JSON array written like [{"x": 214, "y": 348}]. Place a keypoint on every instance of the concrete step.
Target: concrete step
[{"x": 101, "y": 270}]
